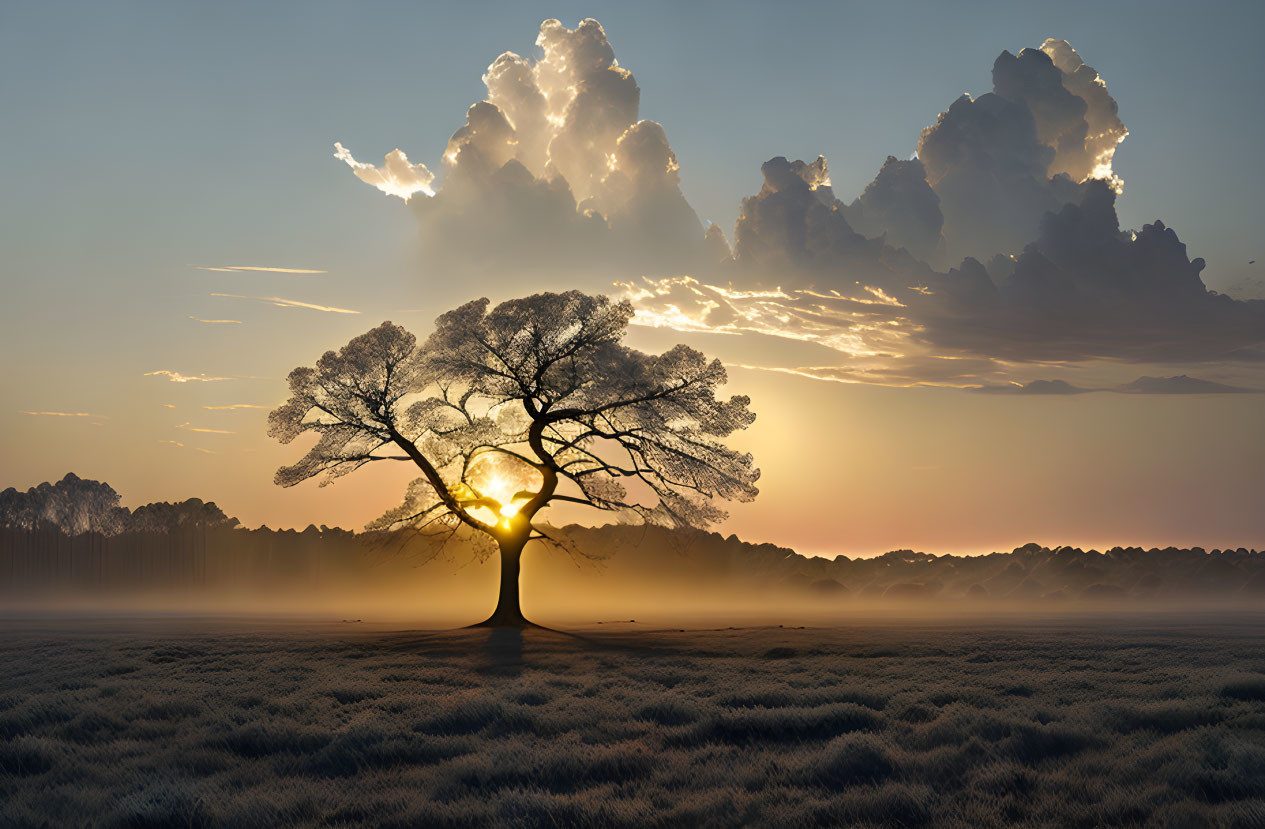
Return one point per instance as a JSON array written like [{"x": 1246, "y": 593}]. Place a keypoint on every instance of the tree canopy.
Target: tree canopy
[
  {"x": 507, "y": 410},
  {"x": 73, "y": 504}
]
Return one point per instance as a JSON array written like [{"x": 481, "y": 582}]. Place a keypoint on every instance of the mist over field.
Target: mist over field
[{"x": 594, "y": 574}]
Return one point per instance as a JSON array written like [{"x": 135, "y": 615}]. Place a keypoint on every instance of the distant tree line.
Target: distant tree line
[
  {"x": 74, "y": 506},
  {"x": 74, "y": 535},
  {"x": 47, "y": 559}
]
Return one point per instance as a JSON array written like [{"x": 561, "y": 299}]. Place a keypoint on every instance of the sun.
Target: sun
[
  {"x": 495, "y": 479},
  {"x": 502, "y": 489}
]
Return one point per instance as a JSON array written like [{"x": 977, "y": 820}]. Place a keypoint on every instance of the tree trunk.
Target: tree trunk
[{"x": 508, "y": 612}]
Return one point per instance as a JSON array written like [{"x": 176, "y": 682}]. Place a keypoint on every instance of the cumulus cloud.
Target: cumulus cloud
[
  {"x": 1103, "y": 128},
  {"x": 795, "y": 232},
  {"x": 996, "y": 251},
  {"x": 992, "y": 166},
  {"x": 987, "y": 165},
  {"x": 588, "y": 100},
  {"x": 900, "y": 206},
  {"x": 289, "y": 303},
  {"x": 795, "y": 221},
  {"x": 396, "y": 177},
  {"x": 1021, "y": 175},
  {"x": 554, "y": 171}
]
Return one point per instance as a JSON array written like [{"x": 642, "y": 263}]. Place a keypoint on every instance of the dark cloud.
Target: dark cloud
[
  {"x": 717, "y": 246},
  {"x": 1180, "y": 384},
  {"x": 1032, "y": 80},
  {"x": 1082, "y": 291},
  {"x": 1085, "y": 290},
  {"x": 997, "y": 163},
  {"x": 1034, "y": 387},
  {"x": 795, "y": 222},
  {"x": 901, "y": 206},
  {"x": 642, "y": 197},
  {"x": 986, "y": 163},
  {"x": 1021, "y": 177}
]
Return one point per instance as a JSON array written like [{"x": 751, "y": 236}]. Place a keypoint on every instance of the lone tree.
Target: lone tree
[{"x": 508, "y": 411}]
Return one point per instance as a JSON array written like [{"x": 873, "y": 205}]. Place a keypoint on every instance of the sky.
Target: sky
[{"x": 152, "y": 151}]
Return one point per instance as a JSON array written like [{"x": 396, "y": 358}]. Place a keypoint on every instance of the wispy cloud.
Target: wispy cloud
[
  {"x": 191, "y": 428},
  {"x": 65, "y": 414},
  {"x": 874, "y": 338},
  {"x": 260, "y": 268},
  {"x": 236, "y": 406},
  {"x": 169, "y": 405},
  {"x": 215, "y": 322},
  {"x": 177, "y": 377},
  {"x": 1181, "y": 384},
  {"x": 290, "y": 303},
  {"x": 194, "y": 448}
]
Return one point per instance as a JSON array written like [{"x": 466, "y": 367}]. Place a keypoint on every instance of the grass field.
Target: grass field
[{"x": 1073, "y": 722}]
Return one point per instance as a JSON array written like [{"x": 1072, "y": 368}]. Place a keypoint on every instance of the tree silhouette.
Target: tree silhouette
[
  {"x": 509, "y": 410},
  {"x": 164, "y": 517},
  {"x": 74, "y": 505}
]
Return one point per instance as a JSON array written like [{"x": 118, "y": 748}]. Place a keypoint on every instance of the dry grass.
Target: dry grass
[{"x": 1073, "y": 723}]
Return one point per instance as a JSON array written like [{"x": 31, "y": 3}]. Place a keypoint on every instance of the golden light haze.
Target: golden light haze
[{"x": 847, "y": 468}]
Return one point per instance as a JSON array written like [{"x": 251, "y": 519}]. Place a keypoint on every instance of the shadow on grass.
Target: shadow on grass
[{"x": 502, "y": 652}]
